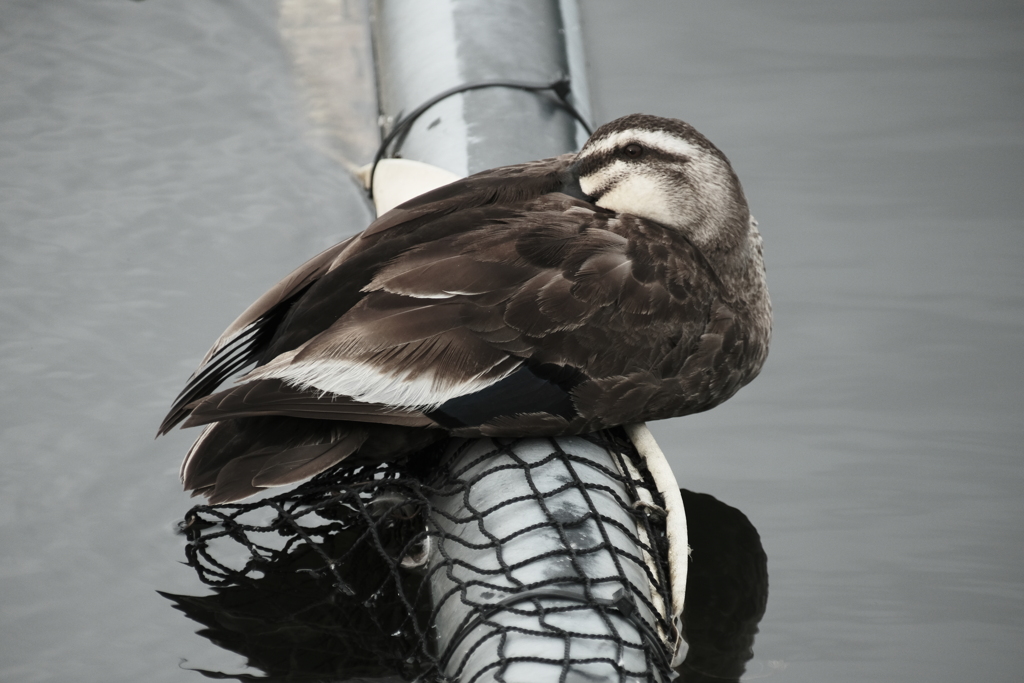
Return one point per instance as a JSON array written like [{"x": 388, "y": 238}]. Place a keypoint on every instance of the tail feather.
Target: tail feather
[
  {"x": 234, "y": 480},
  {"x": 237, "y": 458},
  {"x": 297, "y": 464}
]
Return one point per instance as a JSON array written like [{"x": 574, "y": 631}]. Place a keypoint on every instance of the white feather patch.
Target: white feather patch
[
  {"x": 425, "y": 295},
  {"x": 369, "y": 383},
  {"x": 443, "y": 294}
]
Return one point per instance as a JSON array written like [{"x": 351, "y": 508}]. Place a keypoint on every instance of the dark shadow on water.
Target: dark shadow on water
[
  {"x": 363, "y": 616},
  {"x": 726, "y": 590},
  {"x": 302, "y": 629}
]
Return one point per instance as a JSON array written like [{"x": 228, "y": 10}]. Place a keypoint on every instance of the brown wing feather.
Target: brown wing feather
[
  {"x": 301, "y": 277},
  {"x": 275, "y": 324},
  {"x": 421, "y": 314}
]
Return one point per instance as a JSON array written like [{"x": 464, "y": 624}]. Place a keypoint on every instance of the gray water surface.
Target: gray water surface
[{"x": 159, "y": 172}]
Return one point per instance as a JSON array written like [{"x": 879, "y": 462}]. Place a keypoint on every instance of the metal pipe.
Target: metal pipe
[
  {"x": 423, "y": 48},
  {"x": 507, "y": 581}
]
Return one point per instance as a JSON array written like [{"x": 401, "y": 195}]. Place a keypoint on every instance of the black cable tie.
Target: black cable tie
[{"x": 561, "y": 88}]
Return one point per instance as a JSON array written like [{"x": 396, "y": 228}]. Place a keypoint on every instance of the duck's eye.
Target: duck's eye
[{"x": 633, "y": 150}]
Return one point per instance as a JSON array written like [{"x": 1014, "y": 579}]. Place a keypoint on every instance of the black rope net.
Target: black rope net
[{"x": 481, "y": 560}]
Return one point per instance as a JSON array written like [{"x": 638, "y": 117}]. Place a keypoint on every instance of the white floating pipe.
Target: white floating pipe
[{"x": 532, "y": 550}]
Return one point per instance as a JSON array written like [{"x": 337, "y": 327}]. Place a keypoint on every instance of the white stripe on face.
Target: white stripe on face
[
  {"x": 603, "y": 178},
  {"x": 655, "y": 139},
  {"x": 686, "y": 190}
]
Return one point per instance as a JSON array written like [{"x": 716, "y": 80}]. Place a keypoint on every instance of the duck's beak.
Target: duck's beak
[{"x": 572, "y": 187}]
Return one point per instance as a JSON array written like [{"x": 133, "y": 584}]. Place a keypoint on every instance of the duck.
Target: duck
[{"x": 621, "y": 284}]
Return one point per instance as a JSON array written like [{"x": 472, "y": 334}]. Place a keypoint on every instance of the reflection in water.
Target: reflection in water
[
  {"x": 295, "y": 618},
  {"x": 300, "y": 627},
  {"x": 329, "y": 586},
  {"x": 726, "y": 590}
]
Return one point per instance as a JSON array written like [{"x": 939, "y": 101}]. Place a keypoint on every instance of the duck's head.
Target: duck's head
[{"x": 665, "y": 171}]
